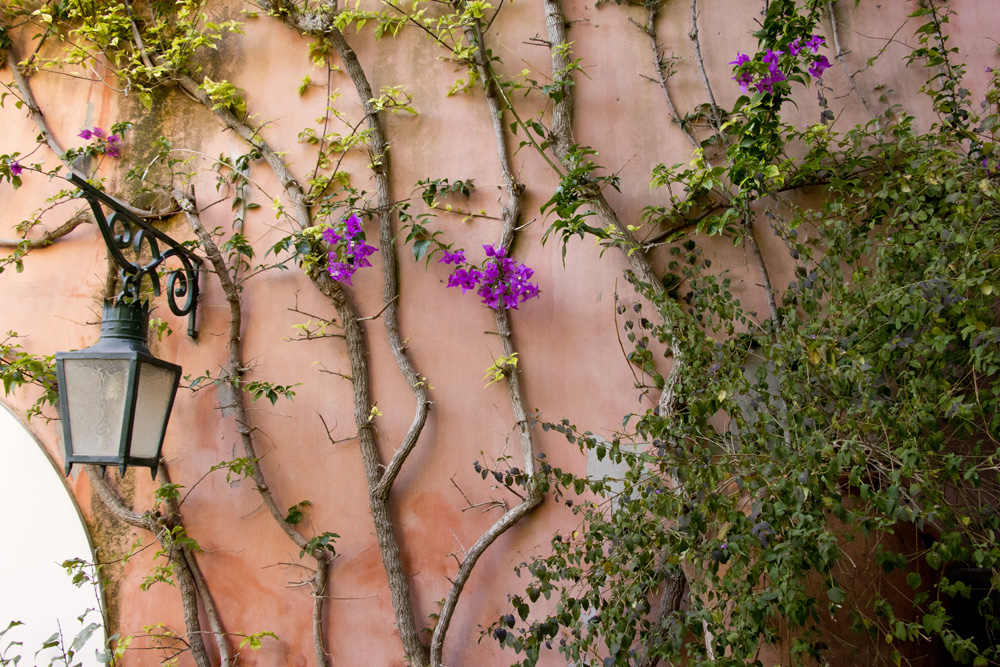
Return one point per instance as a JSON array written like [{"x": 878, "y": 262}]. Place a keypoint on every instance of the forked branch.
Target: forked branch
[
  {"x": 233, "y": 373},
  {"x": 663, "y": 70},
  {"x": 841, "y": 57},
  {"x": 161, "y": 527},
  {"x": 555, "y": 22},
  {"x": 49, "y": 236},
  {"x": 510, "y": 215},
  {"x": 319, "y": 24}
]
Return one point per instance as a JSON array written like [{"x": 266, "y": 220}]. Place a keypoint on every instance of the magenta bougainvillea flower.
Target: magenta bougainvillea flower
[
  {"x": 502, "y": 283},
  {"x": 765, "y": 85},
  {"x": 350, "y": 251},
  {"x": 746, "y": 77},
  {"x": 102, "y": 142},
  {"x": 112, "y": 149},
  {"x": 771, "y": 58},
  {"x": 457, "y": 257},
  {"x": 96, "y": 133},
  {"x": 15, "y": 168},
  {"x": 814, "y": 42},
  {"x": 465, "y": 278},
  {"x": 819, "y": 66}
]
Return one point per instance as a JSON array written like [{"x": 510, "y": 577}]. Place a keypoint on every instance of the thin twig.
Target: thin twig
[
  {"x": 379, "y": 313},
  {"x": 716, "y": 116},
  {"x": 751, "y": 238},
  {"x": 661, "y": 70},
  {"x": 831, "y": 8}
]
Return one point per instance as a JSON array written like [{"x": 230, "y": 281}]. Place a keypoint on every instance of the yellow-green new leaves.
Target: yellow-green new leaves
[
  {"x": 501, "y": 368},
  {"x": 143, "y": 48},
  {"x": 225, "y": 95},
  {"x": 394, "y": 99}
]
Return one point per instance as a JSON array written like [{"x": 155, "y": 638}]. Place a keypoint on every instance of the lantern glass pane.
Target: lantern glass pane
[
  {"x": 96, "y": 391},
  {"x": 154, "y": 397}
]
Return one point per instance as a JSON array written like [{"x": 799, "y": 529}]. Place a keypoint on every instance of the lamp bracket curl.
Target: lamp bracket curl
[{"x": 121, "y": 230}]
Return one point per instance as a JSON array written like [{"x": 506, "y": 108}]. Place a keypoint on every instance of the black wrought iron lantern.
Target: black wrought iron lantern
[{"x": 115, "y": 397}]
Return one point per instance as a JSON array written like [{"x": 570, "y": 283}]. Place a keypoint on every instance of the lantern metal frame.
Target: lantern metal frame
[
  {"x": 125, "y": 320},
  {"x": 123, "y": 339}
]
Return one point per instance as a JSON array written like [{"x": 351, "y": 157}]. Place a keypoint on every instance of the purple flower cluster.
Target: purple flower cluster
[
  {"x": 109, "y": 145},
  {"x": 350, "y": 252},
  {"x": 772, "y": 59},
  {"x": 502, "y": 283},
  {"x": 15, "y": 168},
  {"x": 813, "y": 44}
]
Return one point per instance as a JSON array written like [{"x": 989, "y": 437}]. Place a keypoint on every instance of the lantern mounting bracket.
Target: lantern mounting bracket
[{"x": 122, "y": 229}]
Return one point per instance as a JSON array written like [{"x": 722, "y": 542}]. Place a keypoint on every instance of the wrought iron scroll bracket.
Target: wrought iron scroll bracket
[{"x": 121, "y": 230}]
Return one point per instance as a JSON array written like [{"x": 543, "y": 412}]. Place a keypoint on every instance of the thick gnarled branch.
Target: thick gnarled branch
[
  {"x": 555, "y": 22},
  {"x": 233, "y": 372},
  {"x": 161, "y": 527},
  {"x": 379, "y": 478},
  {"x": 390, "y": 293},
  {"x": 50, "y": 236},
  {"x": 510, "y": 214}
]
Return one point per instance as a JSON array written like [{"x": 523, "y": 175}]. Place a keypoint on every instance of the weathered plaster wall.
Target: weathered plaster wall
[{"x": 570, "y": 360}]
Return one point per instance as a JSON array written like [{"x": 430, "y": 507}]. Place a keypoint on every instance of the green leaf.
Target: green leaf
[
  {"x": 295, "y": 514},
  {"x": 420, "y": 248}
]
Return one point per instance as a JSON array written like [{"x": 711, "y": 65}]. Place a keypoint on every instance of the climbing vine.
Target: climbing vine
[{"x": 829, "y": 408}]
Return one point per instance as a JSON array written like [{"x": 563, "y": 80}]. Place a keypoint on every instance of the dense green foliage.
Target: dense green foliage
[{"x": 864, "y": 419}]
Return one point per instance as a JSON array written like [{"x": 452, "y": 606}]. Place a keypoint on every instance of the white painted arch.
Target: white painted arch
[{"x": 40, "y": 527}]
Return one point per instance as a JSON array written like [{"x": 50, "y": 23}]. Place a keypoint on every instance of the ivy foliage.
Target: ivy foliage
[{"x": 863, "y": 419}]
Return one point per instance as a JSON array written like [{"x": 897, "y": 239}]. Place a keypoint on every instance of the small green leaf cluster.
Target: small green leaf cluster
[
  {"x": 255, "y": 640},
  {"x": 66, "y": 656},
  {"x": 322, "y": 542},
  {"x": 241, "y": 467},
  {"x": 570, "y": 203},
  {"x": 19, "y": 368},
  {"x": 168, "y": 491},
  {"x": 270, "y": 390},
  {"x": 162, "y": 571},
  {"x": 296, "y": 513},
  {"x": 257, "y": 389}
]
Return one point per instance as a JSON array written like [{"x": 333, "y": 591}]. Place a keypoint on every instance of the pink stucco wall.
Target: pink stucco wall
[{"x": 570, "y": 362}]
